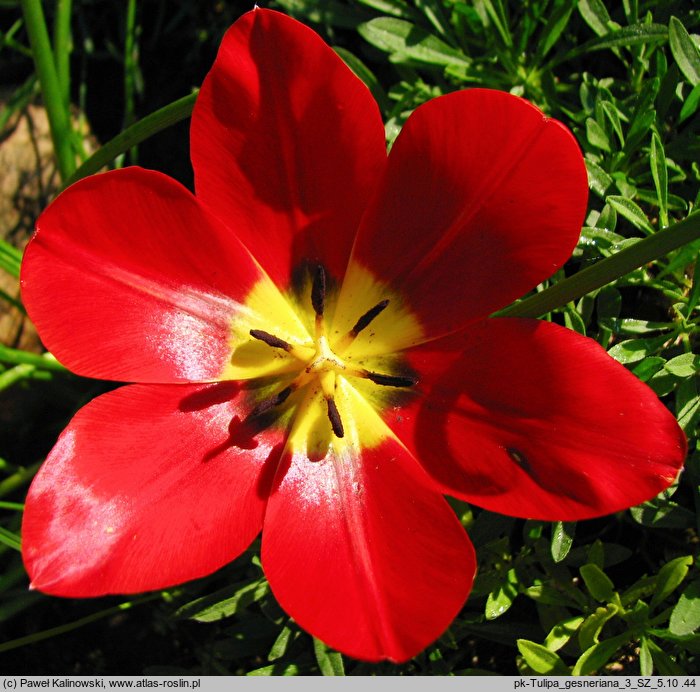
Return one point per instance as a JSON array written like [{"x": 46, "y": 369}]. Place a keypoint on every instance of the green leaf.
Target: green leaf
[
  {"x": 597, "y": 582},
  {"x": 659, "y": 172},
  {"x": 612, "y": 114},
  {"x": 562, "y": 632},
  {"x": 688, "y": 405},
  {"x": 407, "y": 42},
  {"x": 562, "y": 539},
  {"x": 599, "y": 654},
  {"x": 690, "y": 105},
  {"x": 661, "y": 513},
  {"x": 631, "y": 211},
  {"x": 497, "y": 13},
  {"x": 135, "y": 134},
  {"x": 596, "y": 15},
  {"x": 393, "y": 8},
  {"x": 670, "y": 577},
  {"x": 10, "y": 539},
  {"x": 279, "y": 648},
  {"x": 626, "y": 36},
  {"x": 502, "y": 597},
  {"x": 684, "y": 50},
  {"x": 221, "y": 605},
  {"x": 648, "y": 367},
  {"x": 276, "y": 669},
  {"x": 685, "y": 365},
  {"x": 685, "y": 617},
  {"x": 596, "y": 136},
  {"x": 553, "y": 29},
  {"x": 10, "y": 258},
  {"x": 646, "y": 664},
  {"x": 598, "y": 180},
  {"x": 634, "y": 350},
  {"x": 591, "y": 627},
  {"x": 541, "y": 659},
  {"x": 366, "y": 75},
  {"x": 664, "y": 663},
  {"x": 329, "y": 662}
]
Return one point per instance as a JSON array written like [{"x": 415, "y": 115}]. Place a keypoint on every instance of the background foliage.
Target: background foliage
[{"x": 620, "y": 594}]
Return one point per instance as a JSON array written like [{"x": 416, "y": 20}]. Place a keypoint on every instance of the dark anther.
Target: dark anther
[
  {"x": 269, "y": 403},
  {"x": 392, "y": 380},
  {"x": 334, "y": 417},
  {"x": 368, "y": 317},
  {"x": 318, "y": 290},
  {"x": 270, "y": 339}
]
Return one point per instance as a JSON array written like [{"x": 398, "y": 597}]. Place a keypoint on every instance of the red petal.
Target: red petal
[
  {"x": 530, "y": 419},
  {"x": 287, "y": 144},
  {"x": 483, "y": 199},
  {"x": 128, "y": 278},
  {"x": 363, "y": 555},
  {"x": 149, "y": 486}
]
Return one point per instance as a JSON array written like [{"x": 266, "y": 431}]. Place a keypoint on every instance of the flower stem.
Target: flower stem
[
  {"x": 51, "y": 90},
  {"x": 62, "y": 47},
  {"x": 607, "y": 270}
]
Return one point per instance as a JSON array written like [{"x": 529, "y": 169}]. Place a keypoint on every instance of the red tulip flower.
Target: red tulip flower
[{"x": 309, "y": 340}]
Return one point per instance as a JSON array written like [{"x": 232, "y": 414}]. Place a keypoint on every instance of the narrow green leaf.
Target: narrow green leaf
[
  {"x": 562, "y": 632},
  {"x": 684, "y": 50},
  {"x": 279, "y": 648},
  {"x": 497, "y": 14},
  {"x": 221, "y": 605},
  {"x": 10, "y": 258},
  {"x": 631, "y": 211},
  {"x": 143, "y": 129},
  {"x": 562, "y": 539},
  {"x": 329, "y": 662},
  {"x": 590, "y": 629},
  {"x": 597, "y": 582},
  {"x": 557, "y": 22},
  {"x": 366, "y": 75},
  {"x": 632, "y": 35},
  {"x": 596, "y": 15},
  {"x": 541, "y": 659},
  {"x": 646, "y": 664},
  {"x": 688, "y": 405},
  {"x": 685, "y": 617},
  {"x": 659, "y": 172},
  {"x": 599, "y": 654},
  {"x": 664, "y": 663},
  {"x": 393, "y": 8},
  {"x": 409, "y": 42},
  {"x": 276, "y": 669},
  {"x": 10, "y": 539},
  {"x": 670, "y": 577},
  {"x": 613, "y": 116},
  {"x": 690, "y": 105},
  {"x": 598, "y": 180}
]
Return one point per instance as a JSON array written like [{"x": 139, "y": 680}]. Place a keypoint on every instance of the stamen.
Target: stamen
[
  {"x": 334, "y": 417},
  {"x": 270, "y": 339},
  {"x": 318, "y": 291},
  {"x": 392, "y": 380},
  {"x": 365, "y": 320},
  {"x": 269, "y": 403}
]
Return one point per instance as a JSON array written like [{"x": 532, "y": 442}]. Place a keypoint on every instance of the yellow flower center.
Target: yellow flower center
[{"x": 320, "y": 363}]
